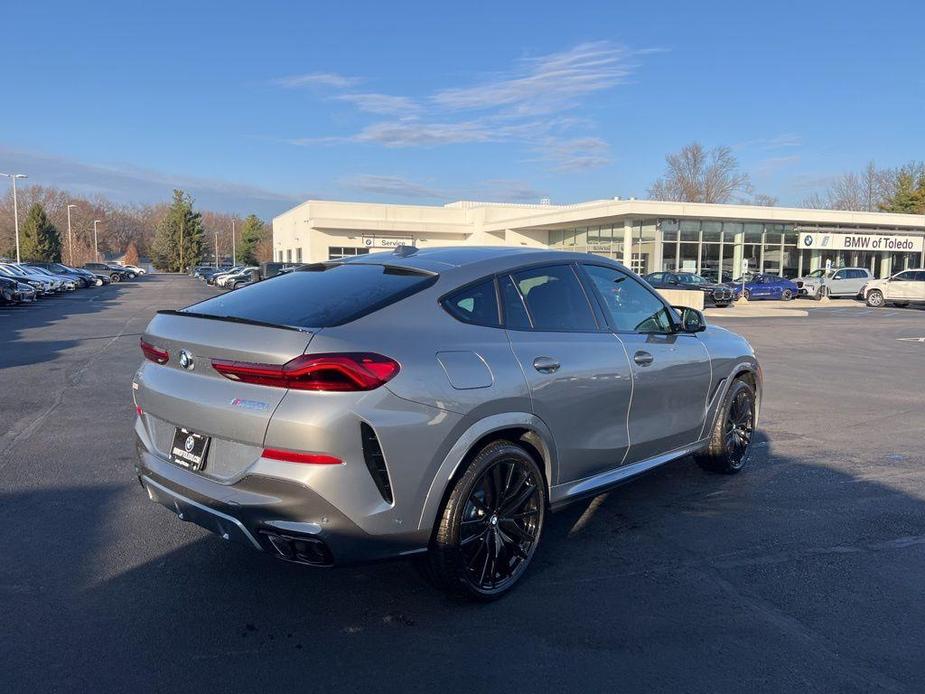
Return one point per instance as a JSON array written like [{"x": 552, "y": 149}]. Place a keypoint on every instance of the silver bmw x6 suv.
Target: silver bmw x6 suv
[{"x": 437, "y": 401}]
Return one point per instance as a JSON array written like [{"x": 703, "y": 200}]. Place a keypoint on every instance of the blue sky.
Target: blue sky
[{"x": 257, "y": 106}]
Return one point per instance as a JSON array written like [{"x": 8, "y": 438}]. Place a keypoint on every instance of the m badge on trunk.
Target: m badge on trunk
[{"x": 186, "y": 360}]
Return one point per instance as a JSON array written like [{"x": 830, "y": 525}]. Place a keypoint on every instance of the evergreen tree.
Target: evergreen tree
[
  {"x": 180, "y": 222},
  {"x": 908, "y": 196},
  {"x": 38, "y": 238},
  {"x": 251, "y": 234}
]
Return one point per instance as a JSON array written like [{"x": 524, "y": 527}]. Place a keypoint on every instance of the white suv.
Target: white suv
[
  {"x": 843, "y": 281},
  {"x": 903, "y": 288}
]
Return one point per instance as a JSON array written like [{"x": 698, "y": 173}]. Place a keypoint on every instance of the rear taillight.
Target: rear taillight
[
  {"x": 155, "y": 354},
  {"x": 297, "y": 457},
  {"x": 339, "y": 372}
]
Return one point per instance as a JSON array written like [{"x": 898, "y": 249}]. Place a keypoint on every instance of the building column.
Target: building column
[
  {"x": 738, "y": 254},
  {"x": 628, "y": 242}
]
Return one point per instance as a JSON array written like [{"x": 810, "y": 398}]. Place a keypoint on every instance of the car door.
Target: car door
[
  {"x": 759, "y": 287},
  {"x": 917, "y": 289},
  {"x": 899, "y": 287},
  {"x": 577, "y": 371},
  {"x": 839, "y": 283},
  {"x": 671, "y": 370}
]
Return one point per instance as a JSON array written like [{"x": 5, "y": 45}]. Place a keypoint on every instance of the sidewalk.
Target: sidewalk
[{"x": 797, "y": 308}]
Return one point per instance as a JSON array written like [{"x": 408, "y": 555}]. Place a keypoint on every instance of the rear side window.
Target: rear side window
[
  {"x": 515, "y": 313},
  {"x": 318, "y": 296},
  {"x": 476, "y": 304},
  {"x": 554, "y": 299}
]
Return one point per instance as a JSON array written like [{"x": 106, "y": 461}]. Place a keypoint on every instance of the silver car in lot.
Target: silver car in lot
[
  {"x": 841, "y": 281},
  {"x": 434, "y": 402}
]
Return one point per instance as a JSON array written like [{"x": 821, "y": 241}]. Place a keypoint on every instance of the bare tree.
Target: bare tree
[
  {"x": 864, "y": 191},
  {"x": 695, "y": 175}
]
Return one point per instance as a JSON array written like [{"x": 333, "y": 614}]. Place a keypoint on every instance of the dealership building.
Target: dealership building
[{"x": 645, "y": 235}]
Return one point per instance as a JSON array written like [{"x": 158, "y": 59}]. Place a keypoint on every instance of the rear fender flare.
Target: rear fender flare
[{"x": 543, "y": 440}]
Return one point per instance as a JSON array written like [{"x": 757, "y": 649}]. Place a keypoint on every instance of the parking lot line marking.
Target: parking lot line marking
[{"x": 911, "y": 339}]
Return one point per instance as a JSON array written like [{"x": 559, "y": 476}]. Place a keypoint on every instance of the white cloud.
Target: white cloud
[
  {"x": 324, "y": 79},
  {"x": 381, "y": 103},
  {"x": 546, "y": 84},
  {"x": 391, "y": 185},
  {"x": 772, "y": 165},
  {"x": 125, "y": 183},
  {"x": 526, "y": 105},
  {"x": 503, "y": 190},
  {"x": 575, "y": 154},
  {"x": 781, "y": 141}
]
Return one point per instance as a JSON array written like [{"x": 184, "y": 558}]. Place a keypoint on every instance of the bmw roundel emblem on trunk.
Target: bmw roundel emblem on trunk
[
  {"x": 186, "y": 360},
  {"x": 189, "y": 443}
]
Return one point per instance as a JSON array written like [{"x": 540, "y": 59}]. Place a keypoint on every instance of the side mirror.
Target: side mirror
[{"x": 692, "y": 320}]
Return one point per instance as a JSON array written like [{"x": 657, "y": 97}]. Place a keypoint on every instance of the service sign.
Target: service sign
[
  {"x": 860, "y": 242},
  {"x": 386, "y": 242}
]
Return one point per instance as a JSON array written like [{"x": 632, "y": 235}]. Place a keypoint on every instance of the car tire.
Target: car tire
[
  {"x": 874, "y": 298},
  {"x": 822, "y": 293},
  {"x": 495, "y": 510},
  {"x": 746, "y": 294},
  {"x": 786, "y": 295},
  {"x": 729, "y": 446},
  {"x": 114, "y": 278}
]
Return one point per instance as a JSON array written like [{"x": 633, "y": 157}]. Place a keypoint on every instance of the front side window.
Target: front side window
[
  {"x": 631, "y": 306},
  {"x": 903, "y": 277},
  {"x": 476, "y": 304},
  {"x": 554, "y": 299}
]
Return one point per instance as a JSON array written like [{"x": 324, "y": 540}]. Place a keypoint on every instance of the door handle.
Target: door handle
[
  {"x": 546, "y": 365},
  {"x": 643, "y": 358}
]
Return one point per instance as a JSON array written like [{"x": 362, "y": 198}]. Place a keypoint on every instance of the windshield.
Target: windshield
[
  {"x": 688, "y": 278},
  {"x": 817, "y": 273}
]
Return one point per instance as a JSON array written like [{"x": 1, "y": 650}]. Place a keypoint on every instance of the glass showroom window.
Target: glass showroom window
[
  {"x": 772, "y": 256},
  {"x": 335, "y": 252},
  {"x": 669, "y": 228},
  {"x": 643, "y": 258}
]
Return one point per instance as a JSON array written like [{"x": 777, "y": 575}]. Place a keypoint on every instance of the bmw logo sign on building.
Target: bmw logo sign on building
[{"x": 808, "y": 240}]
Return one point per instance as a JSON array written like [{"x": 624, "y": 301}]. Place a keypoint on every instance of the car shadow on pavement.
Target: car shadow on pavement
[
  {"x": 789, "y": 576},
  {"x": 16, "y": 320}
]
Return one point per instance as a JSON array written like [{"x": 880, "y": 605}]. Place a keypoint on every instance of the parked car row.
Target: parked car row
[
  {"x": 902, "y": 289},
  {"x": 752, "y": 286},
  {"x": 239, "y": 276},
  {"x": 27, "y": 282}
]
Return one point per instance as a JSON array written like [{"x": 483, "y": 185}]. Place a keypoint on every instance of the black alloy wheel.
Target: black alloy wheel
[
  {"x": 786, "y": 295},
  {"x": 491, "y": 524},
  {"x": 739, "y": 426},
  {"x": 727, "y": 450}
]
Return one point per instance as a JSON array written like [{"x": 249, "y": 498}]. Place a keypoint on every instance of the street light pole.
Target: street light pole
[
  {"x": 13, "y": 178},
  {"x": 234, "y": 255},
  {"x": 216, "y": 249},
  {"x": 70, "y": 237},
  {"x": 96, "y": 246}
]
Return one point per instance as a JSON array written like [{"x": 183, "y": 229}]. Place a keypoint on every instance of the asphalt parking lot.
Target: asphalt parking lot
[{"x": 803, "y": 573}]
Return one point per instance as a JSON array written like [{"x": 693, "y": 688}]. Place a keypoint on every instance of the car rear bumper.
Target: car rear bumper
[{"x": 269, "y": 514}]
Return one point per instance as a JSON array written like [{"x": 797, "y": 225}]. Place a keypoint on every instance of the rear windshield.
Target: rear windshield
[{"x": 317, "y": 296}]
